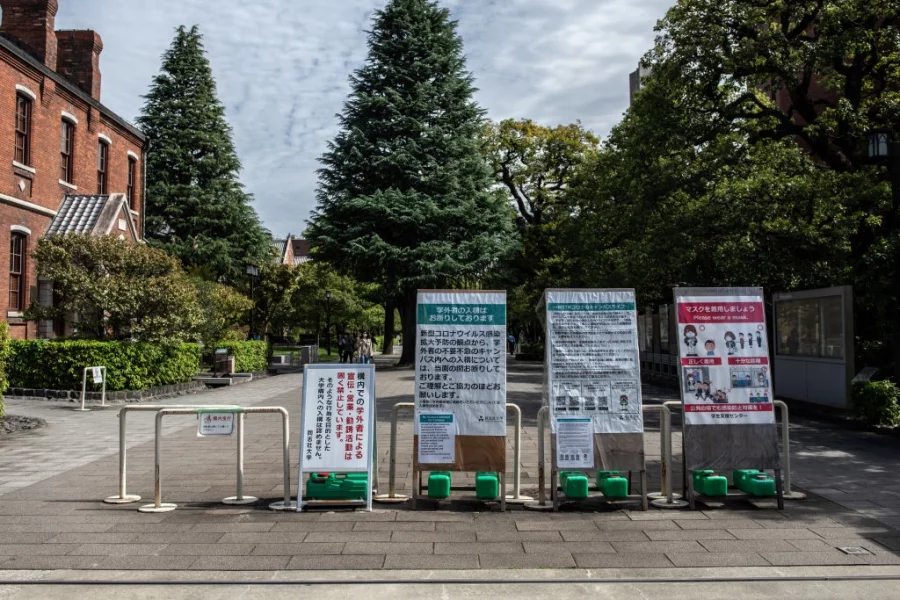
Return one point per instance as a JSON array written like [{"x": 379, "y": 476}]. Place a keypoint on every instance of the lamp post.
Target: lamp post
[
  {"x": 253, "y": 272},
  {"x": 328, "y": 321}
]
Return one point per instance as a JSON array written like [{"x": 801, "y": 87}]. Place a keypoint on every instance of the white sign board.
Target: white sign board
[
  {"x": 215, "y": 424},
  {"x": 437, "y": 439},
  {"x": 593, "y": 366},
  {"x": 725, "y": 370},
  {"x": 460, "y": 360},
  {"x": 337, "y": 427},
  {"x": 574, "y": 443},
  {"x": 97, "y": 373}
]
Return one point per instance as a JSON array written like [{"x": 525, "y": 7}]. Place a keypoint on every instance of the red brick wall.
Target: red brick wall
[{"x": 42, "y": 187}]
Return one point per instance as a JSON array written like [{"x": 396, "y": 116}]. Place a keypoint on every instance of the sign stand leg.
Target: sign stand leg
[
  {"x": 644, "y": 500},
  {"x": 690, "y": 492},
  {"x": 240, "y": 499},
  {"x": 416, "y": 484},
  {"x": 779, "y": 489},
  {"x": 503, "y": 490}
]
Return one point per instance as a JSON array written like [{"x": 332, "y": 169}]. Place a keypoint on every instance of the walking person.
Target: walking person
[
  {"x": 367, "y": 349},
  {"x": 511, "y": 342}
]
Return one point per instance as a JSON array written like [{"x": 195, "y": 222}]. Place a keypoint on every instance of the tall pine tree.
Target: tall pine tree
[
  {"x": 404, "y": 194},
  {"x": 196, "y": 208}
]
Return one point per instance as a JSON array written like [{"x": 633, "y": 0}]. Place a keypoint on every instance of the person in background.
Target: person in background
[
  {"x": 365, "y": 353},
  {"x": 511, "y": 342}
]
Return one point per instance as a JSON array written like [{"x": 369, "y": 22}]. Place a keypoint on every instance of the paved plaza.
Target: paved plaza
[{"x": 52, "y": 482}]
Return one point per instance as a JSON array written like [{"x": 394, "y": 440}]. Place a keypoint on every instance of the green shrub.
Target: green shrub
[
  {"x": 59, "y": 365},
  {"x": 532, "y": 348},
  {"x": 876, "y": 402},
  {"x": 4, "y": 355},
  {"x": 248, "y": 356}
]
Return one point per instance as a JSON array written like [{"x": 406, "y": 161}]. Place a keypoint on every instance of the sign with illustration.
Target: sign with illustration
[
  {"x": 725, "y": 367},
  {"x": 210, "y": 424},
  {"x": 461, "y": 361},
  {"x": 593, "y": 366}
]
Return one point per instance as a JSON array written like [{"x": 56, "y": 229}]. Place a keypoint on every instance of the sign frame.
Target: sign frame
[
  {"x": 725, "y": 446},
  {"x": 302, "y": 468}
]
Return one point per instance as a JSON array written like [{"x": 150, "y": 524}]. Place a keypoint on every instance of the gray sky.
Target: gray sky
[{"x": 281, "y": 67}]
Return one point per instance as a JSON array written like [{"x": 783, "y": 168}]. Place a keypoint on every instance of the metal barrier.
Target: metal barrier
[
  {"x": 124, "y": 497},
  {"x": 84, "y": 389},
  {"x": 392, "y": 497},
  {"x": 159, "y": 506},
  {"x": 787, "y": 493}
]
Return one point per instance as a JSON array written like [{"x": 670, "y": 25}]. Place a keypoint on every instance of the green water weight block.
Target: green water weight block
[
  {"x": 612, "y": 484},
  {"x": 760, "y": 485},
  {"x": 741, "y": 476},
  {"x": 707, "y": 483},
  {"x": 337, "y": 486},
  {"x": 487, "y": 486},
  {"x": 574, "y": 484},
  {"x": 439, "y": 484}
]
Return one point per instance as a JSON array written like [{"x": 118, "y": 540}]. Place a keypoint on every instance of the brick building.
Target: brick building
[{"x": 57, "y": 140}]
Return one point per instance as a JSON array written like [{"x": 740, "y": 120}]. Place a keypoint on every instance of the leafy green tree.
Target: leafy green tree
[
  {"x": 108, "y": 288},
  {"x": 196, "y": 208},
  {"x": 223, "y": 309},
  {"x": 404, "y": 195},
  {"x": 273, "y": 314}
]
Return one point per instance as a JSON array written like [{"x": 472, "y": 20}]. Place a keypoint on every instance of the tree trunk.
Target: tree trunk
[
  {"x": 408, "y": 325},
  {"x": 388, "y": 347}
]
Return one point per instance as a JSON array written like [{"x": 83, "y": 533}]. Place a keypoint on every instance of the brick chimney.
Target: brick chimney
[
  {"x": 31, "y": 22},
  {"x": 79, "y": 59}
]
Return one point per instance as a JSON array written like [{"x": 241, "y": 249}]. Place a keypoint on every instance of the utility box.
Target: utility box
[{"x": 224, "y": 362}]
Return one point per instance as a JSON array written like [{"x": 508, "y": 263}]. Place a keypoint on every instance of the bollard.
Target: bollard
[
  {"x": 84, "y": 389},
  {"x": 667, "y": 497},
  {"x": 517, "y": 497},
  {"x": 239, "y": 498},
  {"x": 392, "y": 497},
  {"x": 789, "y": 494}
]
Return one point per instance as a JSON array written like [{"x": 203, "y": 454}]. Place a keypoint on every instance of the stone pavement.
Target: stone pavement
[{"x": 53, "y": 480}]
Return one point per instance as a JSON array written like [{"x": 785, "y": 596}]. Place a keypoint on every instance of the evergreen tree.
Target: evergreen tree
[
  {"x": 404, "y": 194},
  {"x": 196, "y": 208}
]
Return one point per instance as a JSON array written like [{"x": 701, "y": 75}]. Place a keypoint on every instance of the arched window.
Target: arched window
[
  {"x": 18, "y": 248},
  {"x": 102, "y": 166}
]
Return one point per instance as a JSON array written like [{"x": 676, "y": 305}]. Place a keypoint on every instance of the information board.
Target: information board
[
  {"x": 726, "y": 375},
  {"x": 461, "y": 373},
  {"x": 210, "y": 424},
  {"x": 593, "y": 367},
  {"x": 337, "y": 429}
]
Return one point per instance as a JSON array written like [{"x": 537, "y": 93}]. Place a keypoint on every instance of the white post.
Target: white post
[{"x": 83, "y": 391}]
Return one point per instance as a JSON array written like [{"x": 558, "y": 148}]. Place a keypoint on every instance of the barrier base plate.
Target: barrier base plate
[
  {"x": 152, "y": 508},
  {"x": 386, "y": 499},
  {"x": 664, "y": 503},
  {"x": 126, "y": 499},
  {"x": 660, "y": 495},
  {"x": 282, "y": 505},
  {"x": 548, "y": 507},
  {"x": 81, "y": 409},
  {"x": 519, "y": 500},
  {"x": 242, "y": 500},
  {"x": 794, "y": 495}
]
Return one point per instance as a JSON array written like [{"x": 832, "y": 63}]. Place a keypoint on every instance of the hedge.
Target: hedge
[
  {"x": 59, "y": 365},
  {"x": 248, "y": 356},
  {"x": 4, "y": 355}
]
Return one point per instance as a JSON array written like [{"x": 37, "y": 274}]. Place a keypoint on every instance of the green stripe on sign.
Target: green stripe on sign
[
  {"x": 435, "y": 418},
  {"x": 589, "y": 307},
  {"x": 462, "y": 314}
]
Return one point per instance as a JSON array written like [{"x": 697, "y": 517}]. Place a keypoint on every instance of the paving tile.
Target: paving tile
[
  {"x": 359, "y": 516},
  {"x": 207, "y": 550},
  {"x": 151, "y": 563},
  {"x": 231, "y": 527},
  {"x": 434, "y": 517},
  {"x": 773, "y": 534},
  {"x": 308, "y": 526},
  {"x": 717, "y": 559},
  {"x": 54, "y": 527},
  {"x": 880, "y": 559},
  {"x": 51, "y": 562},
  {"x": 269, "y": 537},
  {"x": 568, "y": 525},
  {"x": 12, "y": 537},
  {"x": 191, "y": 537},
  {"x": 433, "y": 536},
  {"x": 747, "y": 545},
  {"x": 388, "y": 548},
  {"x": 294, "y": 549},
  {"x": 570, "y": 547},
  {"x": 603, "y": 536},
  {"x": 395, "y": 526},
  {"x": 520, "y": 536},
  {"x": 116, "y": 549},
  {"x": 719, "y": 524},
  {"x": 349, "y": 536},
  {"x": 630, "y": 560},
  {"x": 431, "y": 561},
  {"x": 636, "y": 525},
  {"x": 479, "y": 548},
  {"x": 812, "y": 545},
  {"x": 241, "y": 563},
  {"x": 796, "y": 559},
  {"x": 339, "y": 562},
  {"x": 657, "y": 547},
  {"x": 149, "y": 528},
  {"x": 690, "y": 534},
  {"x": 887, "y": 542},
  {"x": 477, "y": 526},
  {"x": 526, "y": 561},
  {"x": 37, "y": 549}
]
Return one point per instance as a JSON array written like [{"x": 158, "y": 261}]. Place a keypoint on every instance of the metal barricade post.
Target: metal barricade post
[{"x": 84, "y": 388}]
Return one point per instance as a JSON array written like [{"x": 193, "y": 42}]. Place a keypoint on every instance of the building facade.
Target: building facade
[{"x": 56, "y": 140}]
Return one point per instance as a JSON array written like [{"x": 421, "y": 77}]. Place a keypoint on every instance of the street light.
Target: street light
[
  {"x": 253, "y": 272},
  {"x": 328, "y": 321},
  {"x": 879, "y": 147}
]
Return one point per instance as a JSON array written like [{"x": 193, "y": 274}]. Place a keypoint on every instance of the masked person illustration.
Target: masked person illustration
[
  {"x": 733, "y": 380},
  {"x": 741, "y": 338},
  {"x": 720, "y": 398},
  {"x": 710, "y": 347},
  {"x": 765, "y": 397},
  {"x": 623, "y": 402},
  {"x": 690, "y": 340},
  {"x": 750, "y": 340},
  {"x": 748, "y": 381},
  {"x": 759, "y": 339},
  {"x": 761, "y": 378},
  {"x": 691, "y": 382},
  {"x": 729, "y": 343}
]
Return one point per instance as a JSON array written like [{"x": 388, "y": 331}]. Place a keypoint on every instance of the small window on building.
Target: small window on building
[
  {"x": 102, "y": 167},
  {"x": 67, "y": 140},
  {"x": 132, "y": 180},
  {"x": 23, "y": 130},
  {"x": 17, "y": 249}
]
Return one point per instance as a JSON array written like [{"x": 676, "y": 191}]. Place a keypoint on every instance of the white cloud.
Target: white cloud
[{"x": 281, "y": 67}]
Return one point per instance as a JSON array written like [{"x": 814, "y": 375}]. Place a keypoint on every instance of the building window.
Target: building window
[
  {"x": 17, "y": 271},
  {"x": 67, "y": 141},
  {"x": 132, "y": 180},
  {"x": 23, "y": 130},
  {"x": 102, "y": 166}
]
